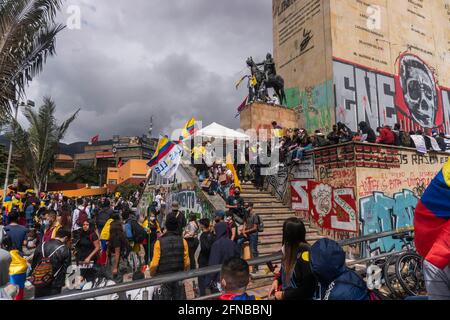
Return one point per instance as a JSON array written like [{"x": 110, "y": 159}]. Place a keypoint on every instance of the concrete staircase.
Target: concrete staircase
[{"x": 274, "y": 213}]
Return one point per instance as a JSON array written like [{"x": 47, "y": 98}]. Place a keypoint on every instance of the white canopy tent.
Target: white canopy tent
[{"x": 218, "y": 131}]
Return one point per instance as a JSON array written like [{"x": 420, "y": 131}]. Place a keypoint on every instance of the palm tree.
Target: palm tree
[
  {"x": 36, "y": 147},
  {"x": 27, "y": 38}
]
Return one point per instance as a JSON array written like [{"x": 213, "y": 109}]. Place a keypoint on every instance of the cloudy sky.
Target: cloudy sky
[{"x": 135, "y": 58}]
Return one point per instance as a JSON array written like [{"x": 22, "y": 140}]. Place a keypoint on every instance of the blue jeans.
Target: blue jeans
[{"x": 253, "y": 241}]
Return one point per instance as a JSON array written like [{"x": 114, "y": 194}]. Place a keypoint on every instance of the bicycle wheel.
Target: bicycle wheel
[
  {"x": 408, "y": 270},
  {"x": 390, "y": 278}
]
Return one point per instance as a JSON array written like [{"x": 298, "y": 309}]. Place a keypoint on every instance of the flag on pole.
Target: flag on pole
[
  {"x": 95, "y": 139},
  {"x": 242, "y": 106},
  {"x": 189, "y": 129},
  {"x": 18, "y": 272},
  {"x": 163, "y": 148},
  {"x": 432, "y": 220}
]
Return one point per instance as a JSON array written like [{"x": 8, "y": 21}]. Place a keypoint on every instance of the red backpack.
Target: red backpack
[{"x": 82, "y": 216}]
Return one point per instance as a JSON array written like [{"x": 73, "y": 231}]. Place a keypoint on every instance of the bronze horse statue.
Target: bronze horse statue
[{"x": 265, "y": 81}]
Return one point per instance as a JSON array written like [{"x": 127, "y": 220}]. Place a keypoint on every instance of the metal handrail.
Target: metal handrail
[{"x": 180, "y": 276}]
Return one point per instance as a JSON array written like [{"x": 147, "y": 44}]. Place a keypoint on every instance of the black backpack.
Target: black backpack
[
  {"x": 139, "y": 233},
  {"x": 102, "y": 218}
]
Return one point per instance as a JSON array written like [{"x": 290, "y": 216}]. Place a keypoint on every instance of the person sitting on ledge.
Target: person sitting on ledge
[{"x": 386, "y": 136}]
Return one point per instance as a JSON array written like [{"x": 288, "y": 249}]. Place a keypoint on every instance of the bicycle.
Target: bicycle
[{"x": 409, "y": 269}]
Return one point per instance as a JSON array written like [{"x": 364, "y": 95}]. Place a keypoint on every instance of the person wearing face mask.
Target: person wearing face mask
[
  {"x": 49, "y": 225},
  {"x": 153, "y": 230},
  {"x": 235, "y": 204},
  {"x": 87, "y": 248},
  {"x": 57, "y": 252}
]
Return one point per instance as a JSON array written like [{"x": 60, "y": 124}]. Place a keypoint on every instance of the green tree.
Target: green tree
[
  {"x": 83, "y": 174},
  {"x": 126, "y": 190},
  {"x": 3, "y": 161},
  {"x": 37, "y": 146},
  {"x": 27, "y": 38}
]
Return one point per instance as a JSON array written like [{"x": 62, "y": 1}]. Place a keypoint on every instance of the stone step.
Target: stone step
[
  {"x": 269, "y": 205},
  {"x": 274, "y": 239},
  {"x": 276, "y": 217},
  {"x": 268, "y": 202},
  {"x": 274, "y": 210},
  {"x": 278, "y": 232},
  {"x": 258, "y": 196},
  {"x": 245, "y": 193}
]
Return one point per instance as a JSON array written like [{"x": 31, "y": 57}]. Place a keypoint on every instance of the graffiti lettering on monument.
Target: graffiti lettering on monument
[
  {"x": 381, "y": 213},
  {"x": 331, "y": 208},
  {"x": 380, "y": 99}
]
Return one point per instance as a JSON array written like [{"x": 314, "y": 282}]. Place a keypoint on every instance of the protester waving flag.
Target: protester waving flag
[
  {"x": 432, "y": 220},
  {"x": 163, "y": 148},
  {"x": 189, "y": 129},
  {"x": 18, "y": 272}
]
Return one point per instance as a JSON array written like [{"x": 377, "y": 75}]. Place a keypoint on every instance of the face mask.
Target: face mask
[
  {"x": 46, "y": 223},
  {"x": 152, "y": 218},
  {"x": 237, "y": 193}
]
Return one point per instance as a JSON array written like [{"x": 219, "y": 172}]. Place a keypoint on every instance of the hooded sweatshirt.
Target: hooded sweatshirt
[
  {"x": 337, "y": 282},
  {"x": 223, "y": 248},
  {"x": 365, "y": 129}
]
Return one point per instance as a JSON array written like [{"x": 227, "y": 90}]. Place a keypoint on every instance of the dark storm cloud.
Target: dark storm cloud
[{"x": 170, "y": 59}]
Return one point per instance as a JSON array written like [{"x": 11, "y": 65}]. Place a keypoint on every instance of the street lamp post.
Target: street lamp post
[{"x": 8, "y": 166}]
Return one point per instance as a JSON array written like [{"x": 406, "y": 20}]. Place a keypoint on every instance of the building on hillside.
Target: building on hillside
[
  {"x": 382, "y": 62},
  {"x": 111, "y": 153},
  {"x": 64, "y": 164},
  {"x": 133, "y": 172}
]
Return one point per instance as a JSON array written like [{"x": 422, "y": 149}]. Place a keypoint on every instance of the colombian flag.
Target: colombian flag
[
  {"x": 164, "y": 147},
  {"x": 189, "y": 129},
  {"x": 432, "y": 220},
  {"x": 18, "y": 272}
]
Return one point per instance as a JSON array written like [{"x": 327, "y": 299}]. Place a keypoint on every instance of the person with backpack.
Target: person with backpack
[
  {"x": 87, "y": 249},
  {"x": 191, "y": 236},
  {"x": 136, "y": 236},
  {"x": 118, "y": 251},
  {"x": 79, "y": 215},
  {"x": 252, "y": 226},
  {"x": 50, "y": 262},
  {"x": 336, "y": 280},
  {"x": 153, "y": 229},
  {"x": 104, "y": 215}
]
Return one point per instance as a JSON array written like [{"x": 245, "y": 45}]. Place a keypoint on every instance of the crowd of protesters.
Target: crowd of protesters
[{"x": 295, "y": 142}]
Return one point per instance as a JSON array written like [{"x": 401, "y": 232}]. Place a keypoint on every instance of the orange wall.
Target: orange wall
[{"x": 131, "y": 169}]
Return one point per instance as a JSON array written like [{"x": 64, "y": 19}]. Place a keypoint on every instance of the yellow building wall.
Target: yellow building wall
[{"x": 131, "y": 169}]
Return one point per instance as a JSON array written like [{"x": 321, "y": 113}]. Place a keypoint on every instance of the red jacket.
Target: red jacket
[{"x": 387, "y": 136}]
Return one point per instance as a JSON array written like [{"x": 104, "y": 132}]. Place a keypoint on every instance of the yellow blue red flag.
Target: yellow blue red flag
[
  {"x": 163, "y": 148},
  {"x": 18, "y": 272},
  {"x": 189, "y": 129}
]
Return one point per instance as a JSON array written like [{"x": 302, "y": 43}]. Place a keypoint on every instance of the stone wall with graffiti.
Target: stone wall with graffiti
[
  {"x": 363, "y": 189},
  {"x": 313, "y": 105}
]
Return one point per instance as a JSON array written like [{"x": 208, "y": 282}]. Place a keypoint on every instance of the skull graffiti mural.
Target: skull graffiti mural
[{"x": 419, "y": 90}]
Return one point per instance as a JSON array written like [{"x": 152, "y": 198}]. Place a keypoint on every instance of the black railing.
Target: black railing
[{"x": 180, "y": 276}]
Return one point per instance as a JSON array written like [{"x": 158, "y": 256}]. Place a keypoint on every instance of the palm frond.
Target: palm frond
[{"x": 27, "y": 38}]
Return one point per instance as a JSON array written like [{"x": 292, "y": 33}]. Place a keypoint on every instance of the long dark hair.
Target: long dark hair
[
  {"x": 116, "y": 232},
  {"x": 294, "y": 237}
]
